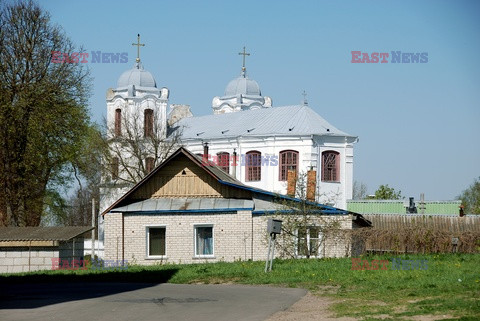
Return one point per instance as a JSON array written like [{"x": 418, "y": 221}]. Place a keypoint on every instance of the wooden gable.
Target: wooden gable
[{"x": 181, "y": 177}]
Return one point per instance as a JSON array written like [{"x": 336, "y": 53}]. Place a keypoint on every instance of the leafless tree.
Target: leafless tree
[{"x": 132, "y": 155}]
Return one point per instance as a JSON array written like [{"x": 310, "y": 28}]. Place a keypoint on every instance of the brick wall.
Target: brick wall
[{"x": 232, "y": 237}]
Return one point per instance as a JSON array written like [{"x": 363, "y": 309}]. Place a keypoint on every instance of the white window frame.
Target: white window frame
[
  {"x": 319, "y": 238},
  {"x": 195, "y": 226},
  {"x": 147, "y": 242}
]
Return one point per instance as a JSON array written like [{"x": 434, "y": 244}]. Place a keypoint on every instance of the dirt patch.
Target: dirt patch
[{"x": 310, "y": 307}]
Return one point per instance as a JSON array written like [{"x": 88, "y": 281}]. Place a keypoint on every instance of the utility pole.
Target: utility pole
[{"x": 93, "y": 231}]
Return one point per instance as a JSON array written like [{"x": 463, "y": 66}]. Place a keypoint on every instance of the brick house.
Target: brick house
[{"x": 185, "y": 211}]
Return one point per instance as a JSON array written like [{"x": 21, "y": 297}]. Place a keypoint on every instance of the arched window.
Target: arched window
[
  {"x": 149, "y": 164},
  {"x": 253, "y": 164},
  {"x": 223, "y": 161},
  {"x": 288, "y": 160},
  {"x": 330, "y": 166},
  {"x": 148, "y": 122},
  {"x": 118, "y": 122},
  {"x": 114, "y": 169}
]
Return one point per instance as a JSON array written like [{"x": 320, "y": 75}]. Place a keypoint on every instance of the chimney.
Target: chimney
[
  {"x": 311, "y": 184},
  {"x": 205, "y": 154},
  {"x": 234, "y": 163},
  {"x": 291, "y": 182}
]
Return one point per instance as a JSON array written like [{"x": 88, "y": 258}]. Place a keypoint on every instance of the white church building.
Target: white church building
[{"x": 266, "y": 141}]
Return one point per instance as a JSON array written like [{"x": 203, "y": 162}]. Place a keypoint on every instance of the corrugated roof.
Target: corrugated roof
[
  {"x": 56, "y": 233},
  {"x": 185, "y": 205},
  {"x": 274, "y": 121}
]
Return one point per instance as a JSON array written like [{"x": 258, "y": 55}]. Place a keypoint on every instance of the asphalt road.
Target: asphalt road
[{"x": 141, "y": 301}]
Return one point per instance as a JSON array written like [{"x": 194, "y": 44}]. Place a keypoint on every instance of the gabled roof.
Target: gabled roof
[
  {"x": 31, "y": 233},
  {"x": 298, "y": 120},
  {"x": 122, "y": 205}
]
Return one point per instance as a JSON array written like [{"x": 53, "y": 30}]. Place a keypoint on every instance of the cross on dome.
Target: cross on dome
[
  {"x": 244, "y": 53},
  {"x": 138, "y": 44}
]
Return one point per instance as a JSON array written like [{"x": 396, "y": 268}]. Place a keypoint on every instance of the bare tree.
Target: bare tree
[
  {"x": 129, "y": 157},
  {"x": 359, "y": 190},
  {"x": 305, "y": 229}
]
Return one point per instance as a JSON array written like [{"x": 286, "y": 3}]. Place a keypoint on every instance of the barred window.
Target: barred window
[
  {"x": 253, "y": 164},
  {"x": 118, "y": 122},
  {"x": 223, "y": 161},
  {"x": 148, "y": 122},
  {"x": 330, "y": 166},
  {"x": 288, "y": 160}
]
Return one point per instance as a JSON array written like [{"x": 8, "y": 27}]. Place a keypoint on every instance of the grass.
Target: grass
[{"x": 450, "y": 286}]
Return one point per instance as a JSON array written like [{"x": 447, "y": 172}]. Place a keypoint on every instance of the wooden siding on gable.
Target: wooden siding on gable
[{"x": 181, "y": 177}]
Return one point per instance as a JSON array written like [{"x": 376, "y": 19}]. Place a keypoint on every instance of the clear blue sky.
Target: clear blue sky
[{"x": 418, "y": 124}]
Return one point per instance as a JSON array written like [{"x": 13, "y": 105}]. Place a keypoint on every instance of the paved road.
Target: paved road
[{"x": 140, "y": 301}]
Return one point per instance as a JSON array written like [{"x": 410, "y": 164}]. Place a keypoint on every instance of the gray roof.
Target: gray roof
[
  {"x": 186, "y": 205},
  {"x": 298, "y": 120},
  {"x": 31, "y": 233},
  {"x": 136, "y": 76}
]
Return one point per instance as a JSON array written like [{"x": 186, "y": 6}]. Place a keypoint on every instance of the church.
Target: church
[
  {"x": 259, "y": 149},
  {"x": 248, "y": 137}
]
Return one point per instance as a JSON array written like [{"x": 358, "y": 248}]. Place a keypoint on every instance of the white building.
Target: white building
[{"x": 267, "y": 141}]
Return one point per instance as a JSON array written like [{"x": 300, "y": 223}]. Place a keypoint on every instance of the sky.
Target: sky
[{"x": 417, "y": 123}]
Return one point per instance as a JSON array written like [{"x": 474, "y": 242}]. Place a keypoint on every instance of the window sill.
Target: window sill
[
  {"x": 203, "y": 257},
  {"x": 156, "y": 258},
  {"x": 333, "y": 182}
]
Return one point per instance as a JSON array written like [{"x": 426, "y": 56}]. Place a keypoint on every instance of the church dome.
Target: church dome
[
  {"x": 243, "y": 85},
  {"x": 136, "y": 76}
]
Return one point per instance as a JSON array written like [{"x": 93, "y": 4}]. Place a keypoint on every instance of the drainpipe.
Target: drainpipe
[
  {"x": 123, "y": 239},
  {"x": 234, "y": 161}
]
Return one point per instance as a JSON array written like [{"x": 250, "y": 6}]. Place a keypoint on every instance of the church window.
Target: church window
[
  {"x": 118, "y": 122},
  {"x": 288, "y": 161},
  {"x": 114, "y": 169},
  {"x": 156, "y": 240},
  {"x": 223, "y": 161},
  {"x": 149, "y": 164},
  {"x": 204, "y": 240},
  {"x": 330, "y": 166},
  {"x": 148, "y": 122},
  {"x": 253, "y": 162}
]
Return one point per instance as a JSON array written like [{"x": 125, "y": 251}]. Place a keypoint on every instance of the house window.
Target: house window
[
  {"x": 148, "y": 122},
  {"x": 223, "y": 161},
  {"x": 149, "y": 164},
  {"x": 114, "y": 168},
  {"x": 330, "y": 166},
  {"x": 118, "y": 122},
  {"x": 309, "y": 242},
  {"x": 156, "y": 241},
  {"x": 253, "y": 162},
  {"x": 204, "y": 240},
  {"x": 288, "y": 160}
]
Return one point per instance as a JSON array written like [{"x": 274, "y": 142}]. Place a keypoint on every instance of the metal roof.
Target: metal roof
[
  {"x": 298, "y": 120},
  {"x": 56, "y": 233},
  {"x": 186, "y": 205}
]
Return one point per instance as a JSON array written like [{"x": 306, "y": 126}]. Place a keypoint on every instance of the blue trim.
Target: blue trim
[
  {"x": 217, "y": 210},
  {"x": 338, "y": 212}
]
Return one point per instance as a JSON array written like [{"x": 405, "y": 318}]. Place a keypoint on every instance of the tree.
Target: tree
[
  {"x": 471, "y": 198},
  {"x": 387, "y": 193},
  {"x": 359, "y": 190},
  {"x": 43, "y": 112},
  {"x": 130, "y": 151},
  {"x": 305, "y": 230}
]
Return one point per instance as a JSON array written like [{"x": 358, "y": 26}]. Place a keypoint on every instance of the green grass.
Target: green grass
[{"x": 450, "y": 286}]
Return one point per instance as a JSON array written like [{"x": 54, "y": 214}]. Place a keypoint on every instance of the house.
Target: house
[
  {"x": 25, "y": 249},
  {"x": 189, "y": 210}
]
